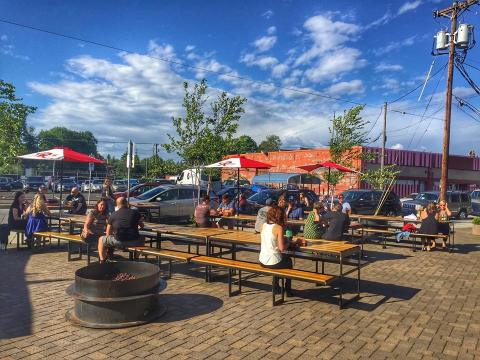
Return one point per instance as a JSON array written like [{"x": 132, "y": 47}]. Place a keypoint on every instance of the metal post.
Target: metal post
[
  {"x": 448, "y": 108},
  {"x": 384, "y": 138}
]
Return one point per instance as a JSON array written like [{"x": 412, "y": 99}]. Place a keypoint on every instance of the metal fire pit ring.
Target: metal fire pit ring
[{"x": 106, "y": 304}]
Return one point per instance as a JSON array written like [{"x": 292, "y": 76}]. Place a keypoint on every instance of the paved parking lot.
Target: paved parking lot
[{"x": 414, "y": 305}]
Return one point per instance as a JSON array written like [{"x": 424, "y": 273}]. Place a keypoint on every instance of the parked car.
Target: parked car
[
  {"x": 475, "y": 196},
  {"x": 66, "y": 185},
  {"x": 93, "y": 186},
  {"x": 258, "y": 200},
  {"x": 138, "y": 189},
  {"x": 165, "y": 182},
  {"x": 408, "y": 197},
  {"x": 5, "y": 184},
  {"x": 176, "y": 202},
  {"x": 16, "y": 184},
  {"x": 233, "y": 182},
  {"x": 458, "y": 202},
  {"x": 119, "y": 185},
  {"x": 366, "y": 202},
  {"x": 32, "y": 183}
]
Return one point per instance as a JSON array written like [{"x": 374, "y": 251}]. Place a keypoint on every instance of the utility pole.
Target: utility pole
[
  {"x": 452, "y": 13},
  {"x": 384, "y": 138}
]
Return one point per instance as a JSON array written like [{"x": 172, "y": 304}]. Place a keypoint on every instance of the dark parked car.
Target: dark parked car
[
  {"x": 16, "y": 185},
  {"x": 258, "y": 200},
  {"x": 32, "y": 183},
  {"x": 475, "y": 196},
  {"x": 5, "y": 184},
  {"x": 366, "y": 202},
  {"x": 458, "y": 202}
]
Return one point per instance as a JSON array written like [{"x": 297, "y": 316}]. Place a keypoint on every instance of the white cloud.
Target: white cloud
[
  {"x": 279, "y": 70},
  {"x": 265, "y": 43},
  {"x": 388, "y": 67},
  {"x": 397, "y": 146},
  {"x": 352, "y": 87},
  {"x": 4, "y": 37},
  {"x": 264, "y": 62},
  {"x": 189, "y": 48},
  {"x": 268, "y": 14},
  {"x": 395, "y": 45},
  {"x": 9, "y": 50},
  {"x": 335, "y": 63},
  {"x": 271, "y": 30},
  {"x": 409, "y": 6}
]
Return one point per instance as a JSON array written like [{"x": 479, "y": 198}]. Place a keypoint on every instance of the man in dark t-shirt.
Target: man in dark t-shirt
[
  {"x": 122, "y": 229},
  {"x": 77, "y": 202},
  {"x": 338, "y": 223}
]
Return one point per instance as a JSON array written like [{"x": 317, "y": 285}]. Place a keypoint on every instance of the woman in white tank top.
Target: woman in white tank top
[{"x": 273, "y": 245}]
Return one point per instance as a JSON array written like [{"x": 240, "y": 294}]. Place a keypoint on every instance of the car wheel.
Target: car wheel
[{"x": 462, "y": 214}]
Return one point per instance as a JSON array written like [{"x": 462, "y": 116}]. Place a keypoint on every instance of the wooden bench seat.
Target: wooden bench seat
[
  {"x": 70, "y": 238},
  {"x": 294, "y": 274},
  {"x": 170, "y": 255}
]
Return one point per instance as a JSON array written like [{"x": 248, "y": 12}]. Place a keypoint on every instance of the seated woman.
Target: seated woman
[
  {"x": 37, "y": 217},
  {"x": 273, "y": 245},
  {"x": 96, "y": 222},
  {"x": 444, "y": 215},
  {"x": 429, "y": 226},
  {"x": 18, "y": 212},
  {"x": 314, "y": 227}
]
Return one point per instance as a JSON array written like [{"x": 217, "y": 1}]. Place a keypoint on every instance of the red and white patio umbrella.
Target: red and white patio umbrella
[
  {"x": 239, "y": 162},
  {"x": 327, "y": 164},
  {"x": 61, "y": 154}
]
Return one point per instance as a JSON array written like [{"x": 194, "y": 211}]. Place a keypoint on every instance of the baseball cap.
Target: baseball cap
[
  {"x": 291, "y": 198},
  {"x": 269, "y": 201}
]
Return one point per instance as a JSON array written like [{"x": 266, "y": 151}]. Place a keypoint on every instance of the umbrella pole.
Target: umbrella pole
[
  {"x": 61, "y": 193},
  {"x": 238, "y": 189}
]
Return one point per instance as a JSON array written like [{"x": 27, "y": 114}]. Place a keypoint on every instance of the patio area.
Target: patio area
[{"x": 413, "y": 305}]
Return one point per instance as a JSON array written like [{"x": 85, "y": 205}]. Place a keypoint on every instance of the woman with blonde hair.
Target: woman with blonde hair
[
  {"x": 444, "y": 215},
  {"x": 37, "y": 217}
]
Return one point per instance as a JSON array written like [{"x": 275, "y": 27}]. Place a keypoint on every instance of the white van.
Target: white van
[{"x": 192, "y": 177}]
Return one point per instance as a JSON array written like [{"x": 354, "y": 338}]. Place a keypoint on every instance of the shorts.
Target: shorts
[
  {"x": 111, "y": 241},
  {"x": 91, "y": 238}
]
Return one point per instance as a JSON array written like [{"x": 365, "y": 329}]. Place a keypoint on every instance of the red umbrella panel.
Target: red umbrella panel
[{"x": 326, "y": 164}]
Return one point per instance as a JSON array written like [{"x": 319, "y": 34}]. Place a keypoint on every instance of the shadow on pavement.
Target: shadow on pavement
[
  {"x": 185, "y": 306},
  {"x": 15, "y": 306}
]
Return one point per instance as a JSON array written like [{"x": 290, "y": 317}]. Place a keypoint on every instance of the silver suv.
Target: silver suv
[
  {"x": 175, "y": 202},
  {"x": 458, "y": 202}
]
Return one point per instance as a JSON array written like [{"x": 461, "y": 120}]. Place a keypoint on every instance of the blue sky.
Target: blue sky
[{"x": 365, "y": 51}]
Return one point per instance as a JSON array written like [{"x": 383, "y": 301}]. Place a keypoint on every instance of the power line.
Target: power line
[{"x": 180, "y": 63}]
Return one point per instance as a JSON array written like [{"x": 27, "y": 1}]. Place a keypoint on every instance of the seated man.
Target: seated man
[
  {"x": 338, "y": 223},
  {"x": 226, "y": 208},
  {"x": 77, "y": 202},
  {"x": 122, "y": 229},
  {"x": 202, "y": 213},
  {"x": 294, "y": 212}
]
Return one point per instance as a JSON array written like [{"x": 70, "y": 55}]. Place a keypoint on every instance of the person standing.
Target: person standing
[
  {"x": 76, "y": 202},
  {"x": 338, "y": 223},
  {"x": 122, "y": 229},
  {"x": 107, "y": 194}
]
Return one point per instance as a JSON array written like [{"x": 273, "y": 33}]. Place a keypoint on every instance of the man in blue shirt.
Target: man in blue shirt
[{"x": 226, "y": 208}]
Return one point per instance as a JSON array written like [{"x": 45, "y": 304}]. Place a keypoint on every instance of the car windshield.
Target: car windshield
[
  {"x": 352, "y": 195},
  {"x": 261, "y": 197},
  {"x": 427, "y": 197},
  {"x": 151, "y": 193}
]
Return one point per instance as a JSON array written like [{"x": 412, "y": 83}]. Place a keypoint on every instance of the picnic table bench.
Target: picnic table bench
[{"x": 71, "y": 239}]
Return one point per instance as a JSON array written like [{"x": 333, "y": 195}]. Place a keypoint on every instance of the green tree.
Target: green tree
[
  {"x": 13, "y": 126},
  {"x": 242, "y": 145},
  {"x": 271, "y": 143},
  {"x": 201, "y": 139},
  {"x": 81, "y": 141},
  {"x": 348, "y": 136}
]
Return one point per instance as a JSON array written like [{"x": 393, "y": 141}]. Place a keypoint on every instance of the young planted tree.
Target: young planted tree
[
  {"x": 348, "y": 135},
  {"x": 14, "y": 133},
  {"x": 203, "y": 138}
]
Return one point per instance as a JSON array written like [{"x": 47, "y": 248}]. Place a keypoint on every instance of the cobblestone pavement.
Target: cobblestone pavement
[{"x": 413, "y": 305}]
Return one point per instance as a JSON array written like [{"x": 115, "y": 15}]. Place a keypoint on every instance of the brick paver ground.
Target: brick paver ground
[{"x": 413, "y": 306}]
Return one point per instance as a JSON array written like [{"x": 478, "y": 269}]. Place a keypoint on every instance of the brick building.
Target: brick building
[{"x": 419, "y": 170}]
